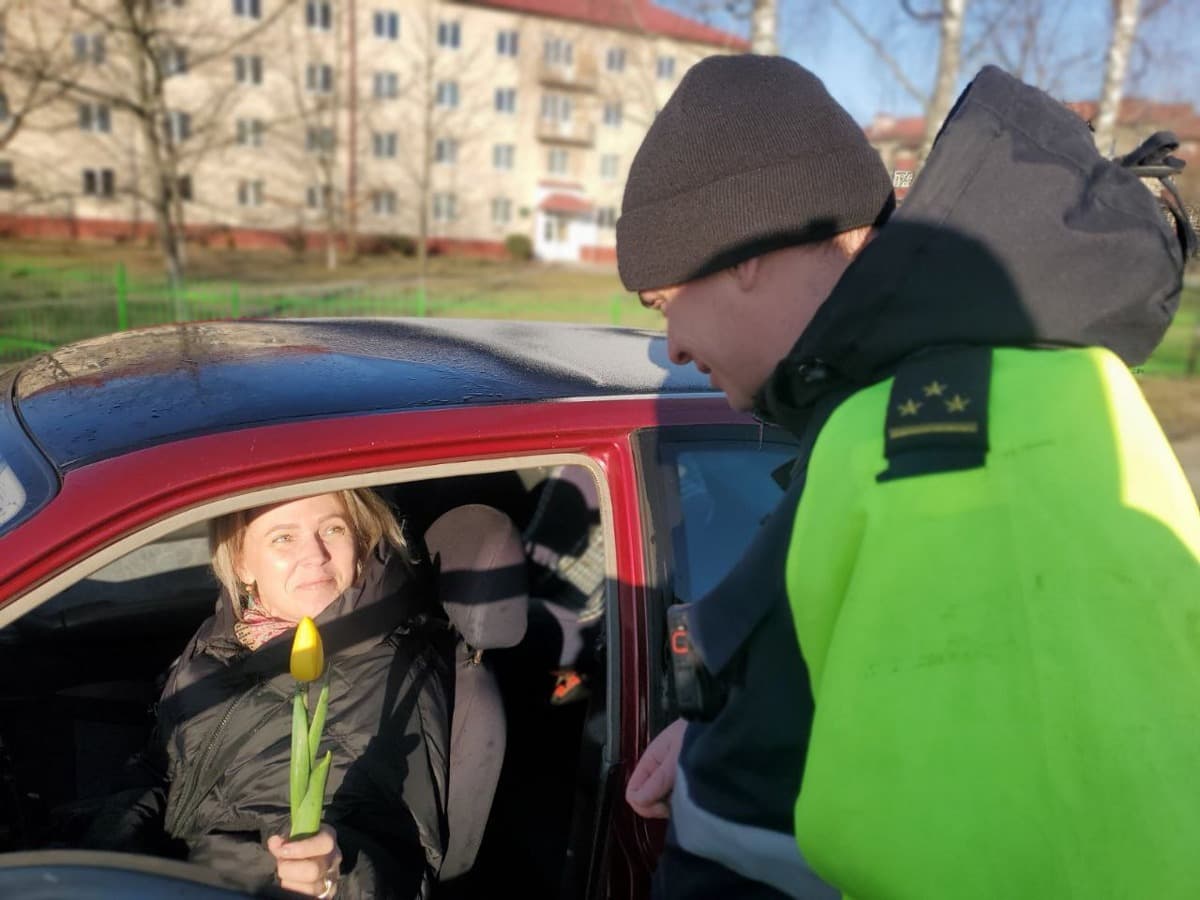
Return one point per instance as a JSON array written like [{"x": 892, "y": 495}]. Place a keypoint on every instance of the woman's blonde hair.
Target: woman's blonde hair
[{"x": 370, "y": 519}]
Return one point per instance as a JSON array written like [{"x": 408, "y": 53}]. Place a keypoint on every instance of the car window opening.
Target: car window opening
[{"x": 81, "y": 675}]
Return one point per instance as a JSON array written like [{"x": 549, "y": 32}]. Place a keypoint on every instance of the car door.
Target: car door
[{"x": 705, "y": 491}]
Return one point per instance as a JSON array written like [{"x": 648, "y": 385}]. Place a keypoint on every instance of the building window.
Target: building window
[
  {"x": 666, "y": 67},
  {"x": 182, "y": 189},
  {"x": 558, "y": 52},
  {"x": 609, "y": 164},
  {"x": 318, "y": 16},
  {"x": 88, "y": 48},
  {"x": 445, "y": 207},
  {"x": 387, "y": 86},
  {"x": 445, "y": 150},
  {"x": 506, "y": 100},
  {"x": 247, "y": 9},
  {"x": 383, "y": 144},
  {"x": 174, "y": 60},
  {"x": 614, "y": 60},
  {"x": 94, "y": 117},
  {"x": 449, "y": 35},
  {"x": 447, "y": 94},
  {"x": 319, "y": 78},
  {"x": 556, "y": 107},
  {"x": 501, "y": 210},
  {"x": 317, "y": 196},
  {"x": 502, "y": 156},
  {"x": 247, "y": 69},
  {"x": 250, "y": 132},
  {"x": 178, "y": 126},
  {"x": 506, "y": 43},
  {"x": 8, "y": 178},
  {"x": 557, "y": 161},
  {"x": 387, "y": 25},
  {"x": 383, "y": 203},
  {"x": 250, "y": 193},
  {"x": 320, "y": 140},
  {"x": 606, "y": 217},
  {"x": 613, "y": 113},
  {"x": 99, "y": 183}
]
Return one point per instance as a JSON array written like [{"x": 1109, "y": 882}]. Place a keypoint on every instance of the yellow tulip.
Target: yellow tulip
[{"x": 308, "y": 656}]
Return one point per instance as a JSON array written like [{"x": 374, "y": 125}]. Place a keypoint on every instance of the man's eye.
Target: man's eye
[
  {"x": 281, "y": 539},
  {"x": 336, "y": 529}
]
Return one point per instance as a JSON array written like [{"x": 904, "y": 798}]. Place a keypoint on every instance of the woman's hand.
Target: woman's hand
[
  {"x": 310, "y": 865},
  {"x": 653, "y": 778}
]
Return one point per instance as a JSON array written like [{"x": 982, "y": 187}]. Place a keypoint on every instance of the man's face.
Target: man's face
[{"x": 725, "y": 330}]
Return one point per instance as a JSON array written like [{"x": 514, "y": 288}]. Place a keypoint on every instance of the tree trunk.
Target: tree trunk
[
  {"x": 352, "y": 132},
  {"x": 763, "y": 21},
  {"x": 153, "y": 108},
  {"x": 949, "y": 58},
  {"x": 425, "y": 179},
  {"x": 1125, "y": 21}
]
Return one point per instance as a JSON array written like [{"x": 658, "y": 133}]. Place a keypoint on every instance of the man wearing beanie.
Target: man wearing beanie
[{"x": 953, "y": 663}]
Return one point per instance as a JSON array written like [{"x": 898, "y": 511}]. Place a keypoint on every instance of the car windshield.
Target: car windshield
[
  {"x": 13, "y": 496},
  {"x": 26, "y": 480}
]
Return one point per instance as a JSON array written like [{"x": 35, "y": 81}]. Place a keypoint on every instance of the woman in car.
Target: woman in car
[{"x": 224, "y": 721}]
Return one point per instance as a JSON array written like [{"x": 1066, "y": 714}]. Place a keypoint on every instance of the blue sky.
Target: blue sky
[{"x": 1073, "y": 35}]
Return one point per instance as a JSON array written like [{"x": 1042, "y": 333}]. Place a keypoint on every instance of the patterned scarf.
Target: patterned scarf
[{"x": 257, "y": 626}]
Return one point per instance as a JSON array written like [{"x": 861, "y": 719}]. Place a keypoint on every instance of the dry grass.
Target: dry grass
[{"x": 1176, "y": 402}]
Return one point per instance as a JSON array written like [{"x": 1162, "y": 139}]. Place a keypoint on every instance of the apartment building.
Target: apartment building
[{"x": 261, "y": 122}]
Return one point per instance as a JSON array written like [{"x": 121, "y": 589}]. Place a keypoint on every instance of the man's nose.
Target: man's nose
[{"x": 677, "y": 354}]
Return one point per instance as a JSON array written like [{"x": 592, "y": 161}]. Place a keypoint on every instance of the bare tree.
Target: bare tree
[
  {"x": 127, "y": 56},
  {"x": 764, "y": 21},
  {"x": 1116, "y": 65},
  {"x": 39, "y": 47},
  {"x": 446, "y": 94},
  {"x": 949, "y": 16},
  {"x": 761, "y": 15},
  {"x": 309, "y": 135}
]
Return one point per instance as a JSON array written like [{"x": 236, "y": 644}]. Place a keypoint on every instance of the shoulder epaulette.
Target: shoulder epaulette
[{"x": 937, "y": 417}]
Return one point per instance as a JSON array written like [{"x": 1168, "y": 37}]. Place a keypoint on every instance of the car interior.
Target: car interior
[{"x": 523, "y": 579}]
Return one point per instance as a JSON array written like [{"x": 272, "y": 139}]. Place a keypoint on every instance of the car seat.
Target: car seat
[{"x": 482, "y": 585}]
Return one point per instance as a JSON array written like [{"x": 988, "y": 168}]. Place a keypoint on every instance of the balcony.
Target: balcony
[
  {"x": 580, "y": 75},
  {"x": 571, "y": 131}
]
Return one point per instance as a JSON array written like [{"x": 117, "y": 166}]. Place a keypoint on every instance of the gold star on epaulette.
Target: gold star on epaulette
[
  {"x": 957, "y": 403},
  {"x": 934, "y": 389},
  {"x": 909, "y": 407}
]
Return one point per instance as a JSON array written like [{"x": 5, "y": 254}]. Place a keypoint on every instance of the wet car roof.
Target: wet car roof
[{"x": 103, "y": 397}]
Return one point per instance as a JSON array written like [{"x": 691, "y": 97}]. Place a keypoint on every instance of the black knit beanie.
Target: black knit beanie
[{"x": 749, "y": 155}]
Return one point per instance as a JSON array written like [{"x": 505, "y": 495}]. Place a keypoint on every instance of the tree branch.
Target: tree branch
[
  {"x": 888, "y": 60},
  {"x": 925, "y": 17}
]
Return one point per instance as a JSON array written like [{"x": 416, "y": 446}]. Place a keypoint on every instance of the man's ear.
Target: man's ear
[{"x": 747, "y": 273}]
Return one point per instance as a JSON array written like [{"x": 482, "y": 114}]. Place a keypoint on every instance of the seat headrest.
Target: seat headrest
[{"x": 482, "y": 582}]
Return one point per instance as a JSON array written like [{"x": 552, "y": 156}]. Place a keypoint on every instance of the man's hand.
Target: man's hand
[
  {"x": 653, "y": 778},
  {"x": 310, "y": 865}
]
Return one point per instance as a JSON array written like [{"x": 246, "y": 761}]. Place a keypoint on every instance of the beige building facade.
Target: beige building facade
[{"x": 357, "y": 120}]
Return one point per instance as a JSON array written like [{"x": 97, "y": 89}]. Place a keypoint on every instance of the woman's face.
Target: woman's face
[{"x": 300, "y": 556}]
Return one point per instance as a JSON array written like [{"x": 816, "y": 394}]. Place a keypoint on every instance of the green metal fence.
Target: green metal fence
[{"x": 42, "y": 308}]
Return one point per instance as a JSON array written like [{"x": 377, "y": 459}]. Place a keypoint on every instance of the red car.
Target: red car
[{"x": 631, "y": 483}]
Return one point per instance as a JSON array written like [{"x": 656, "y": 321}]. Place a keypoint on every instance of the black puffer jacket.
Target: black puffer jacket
[{"x": 225, "y": 725}]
